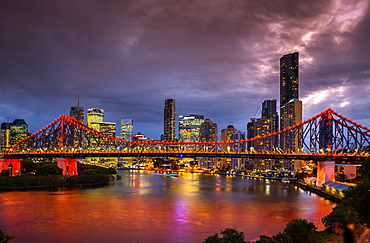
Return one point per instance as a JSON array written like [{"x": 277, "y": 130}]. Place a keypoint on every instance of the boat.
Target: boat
[{"x": 285, "y": 180}]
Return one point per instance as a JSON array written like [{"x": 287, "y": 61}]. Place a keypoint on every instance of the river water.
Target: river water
[{"x": 145, "y": 207}]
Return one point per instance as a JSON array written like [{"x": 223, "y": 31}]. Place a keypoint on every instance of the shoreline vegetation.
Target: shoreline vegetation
[
  {"x": 48, "y": 175},
  {"x": 52, "y": 181}
]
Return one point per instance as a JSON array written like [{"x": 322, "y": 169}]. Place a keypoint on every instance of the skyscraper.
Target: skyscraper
[
  {"x": 127, "y": 127},
  {"x": 108, "y": 128},
  {"x": 238, "y": 163},
  {"x": 5, "y": 136},
  {"x": 78, "y": 112},
  {"x": 288, "y": 78},
  {"x": 226, "y": 136},
  {"x": 269, "y": 112},
  {"x": 189, "y": 127},
  {"x": 94, "y": 117},
  {"x": 291, "y": 114},
  {"x": 290, "y": 107},
  {"x": 208, "y": 131},
  {"x": 169, "y": 120},
  {"x": 18, "y": 131}
]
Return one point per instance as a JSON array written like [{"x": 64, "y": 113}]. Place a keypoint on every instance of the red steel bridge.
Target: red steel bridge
[{"x": 326, "y": 136}]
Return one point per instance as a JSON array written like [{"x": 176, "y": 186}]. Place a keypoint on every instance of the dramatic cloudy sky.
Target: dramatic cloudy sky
[{"x": 219, "y": 58}]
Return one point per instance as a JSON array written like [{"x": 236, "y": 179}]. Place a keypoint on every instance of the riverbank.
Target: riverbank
[
  {"x": 318, "y": 191},
  {"x": 51, "y": 181}
]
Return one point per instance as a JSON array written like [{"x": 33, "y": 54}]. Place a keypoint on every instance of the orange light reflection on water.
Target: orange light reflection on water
[{"x": 147, "y": 208}]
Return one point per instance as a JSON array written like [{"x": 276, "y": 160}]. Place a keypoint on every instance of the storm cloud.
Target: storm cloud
[{"x": 216, "y": 58}]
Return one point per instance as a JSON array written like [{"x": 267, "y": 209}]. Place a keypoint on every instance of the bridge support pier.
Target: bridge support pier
[
  {"x": 68, "y": 165},
  {"x": 325, "y": 172},
  {"x": 15, "y": 165}
]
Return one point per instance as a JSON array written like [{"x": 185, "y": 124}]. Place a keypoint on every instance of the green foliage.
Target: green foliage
[
  {"x": 266, "y": 239},
  {"x": 337, "y": 218},
  {"x": 212, "y": 239},
  {"x": 356, "y": 199},
  {"x": 299, "y": 229},
  {"x": 283, "y": 238},
  {"x": 28, "y": 166},
  {"x": 45, "y": 169},
  {"x": 29, "y": 181},
  {"x": 4, "y": 237},
  {"x": 84, "y": 169},
  {"x": 300, "y": 176},
  {"x": 229, "y": 235}
]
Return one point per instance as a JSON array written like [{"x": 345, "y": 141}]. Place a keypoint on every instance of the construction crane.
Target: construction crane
[{"x": 257, "y": 112}]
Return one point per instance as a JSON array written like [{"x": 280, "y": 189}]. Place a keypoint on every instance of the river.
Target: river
[{"x": 144, "y": 207}]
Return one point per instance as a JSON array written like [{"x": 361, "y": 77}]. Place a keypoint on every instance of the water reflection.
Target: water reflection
[{"x": 143, "y": 207}]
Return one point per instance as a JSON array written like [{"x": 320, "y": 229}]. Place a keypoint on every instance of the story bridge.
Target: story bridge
[{"x": 328, "y": 136}]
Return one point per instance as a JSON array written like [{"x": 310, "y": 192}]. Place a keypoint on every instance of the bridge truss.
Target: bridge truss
[{"x": 328, "y": 134}]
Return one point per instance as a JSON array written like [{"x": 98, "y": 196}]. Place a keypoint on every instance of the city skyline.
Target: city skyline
[{"x": 127, "y": 58}]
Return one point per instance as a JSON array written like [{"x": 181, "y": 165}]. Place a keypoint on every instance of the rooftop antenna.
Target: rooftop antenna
[{"x": 78, "y": 100}]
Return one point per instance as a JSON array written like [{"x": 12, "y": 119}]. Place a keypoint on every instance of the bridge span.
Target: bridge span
[{"x": 328, "y": 136}]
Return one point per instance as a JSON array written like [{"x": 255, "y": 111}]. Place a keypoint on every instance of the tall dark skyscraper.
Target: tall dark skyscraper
[
  {"x": 78, "y": 112},
  {"x": 288, "y": 78},
  {"x": 169, "y": 120},
  {"x": 269, "y": 112},
  {"x": 269, "y": 108},
  {"x": 290, "y": 107}
]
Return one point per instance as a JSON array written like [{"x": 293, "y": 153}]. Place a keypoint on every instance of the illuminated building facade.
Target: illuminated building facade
[
  {"x": 208, "y": 131},
  {"x": 189, "y": 127},
  {"x": 94, "y": 117},
  {"x": 108, "y": 128},
  {"x": 169, "y": 120},
  {"x": 269, "y": 111},
  {"x": 78, "y": 112},
  {"x": 127, "y": 128},
  {"x": 290, "y": 106},
  {"x": 226, "y": 135},
  {"x": 268, "y": 123},
  {"x": 291, "y": 114},
  {"x": 5, "y": 136},
  {"x": 238, "y": 163},
  {"x": 18, "y": 131},
  {"x": 288, "y": 78}
]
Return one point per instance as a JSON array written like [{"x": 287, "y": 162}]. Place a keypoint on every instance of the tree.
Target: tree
[
  {"x": 336, "y": 220},
  {"x": 230, "y": 235},
  {"x": 4, "y": 237},
  {"x": 48, "y": 169},
  {"x": 359, "y": 197},
  {"x": 28, "y": 166},
  {"x": 266, "y": 239},
  {"x": 283, "y": 238},
  {"x": 356, "y": 200},
  {"x": 212, "y": 239},
  {"x": 299, "y": 230}
]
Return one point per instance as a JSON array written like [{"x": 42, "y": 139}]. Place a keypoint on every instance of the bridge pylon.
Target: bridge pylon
[
  {"x": 68, "y": 165},
  {"x": 14, "y": 164},
  {"x": 325, "y": 172}
]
